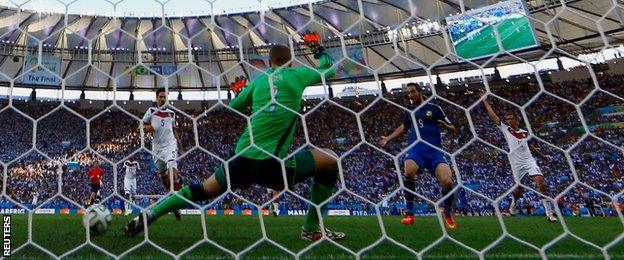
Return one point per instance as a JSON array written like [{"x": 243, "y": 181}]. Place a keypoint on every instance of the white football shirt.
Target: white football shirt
[
  {"x": 519, "y": 152},
  {"x": 163, "y": 121},
  {"x": 131, "y": 169}
]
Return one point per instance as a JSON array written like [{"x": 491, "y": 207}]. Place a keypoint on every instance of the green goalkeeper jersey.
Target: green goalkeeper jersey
[{"x": 273, "y": 126}]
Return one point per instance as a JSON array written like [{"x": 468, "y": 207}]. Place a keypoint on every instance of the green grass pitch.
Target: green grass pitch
[
  {"x": 514, "y": 34},
  {"x": 61, "y": 233}
]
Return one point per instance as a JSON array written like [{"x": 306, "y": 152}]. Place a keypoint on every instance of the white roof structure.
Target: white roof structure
[{"x": 209, "y": 50}]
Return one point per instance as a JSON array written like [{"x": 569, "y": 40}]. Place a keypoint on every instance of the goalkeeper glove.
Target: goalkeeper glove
[
  {"x": 238, "y": 85},
  {"x": 313, "y": 40}
]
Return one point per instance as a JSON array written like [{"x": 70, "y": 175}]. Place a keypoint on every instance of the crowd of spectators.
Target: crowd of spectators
[{"x": 477, "y": 152}]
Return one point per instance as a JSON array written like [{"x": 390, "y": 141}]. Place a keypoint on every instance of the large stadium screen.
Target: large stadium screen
[{"x": 472, "y": 33}]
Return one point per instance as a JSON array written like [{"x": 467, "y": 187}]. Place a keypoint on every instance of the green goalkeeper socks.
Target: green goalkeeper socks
[
  {"x": 173, "y": 202},
  {"x": 318, "y": 194}
]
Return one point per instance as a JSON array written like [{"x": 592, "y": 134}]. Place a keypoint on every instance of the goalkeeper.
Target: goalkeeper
[{"x": 273, "y": 128}]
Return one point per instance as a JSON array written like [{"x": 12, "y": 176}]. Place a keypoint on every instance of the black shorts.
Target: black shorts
[
  {"x": 244, "y": 172},
  {"x": 95, "y": 187}
]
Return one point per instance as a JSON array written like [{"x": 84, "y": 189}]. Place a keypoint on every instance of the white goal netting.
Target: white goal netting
[{"x": 76, "y": 78}]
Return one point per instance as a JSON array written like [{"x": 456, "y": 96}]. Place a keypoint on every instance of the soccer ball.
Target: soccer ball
[{"x": 97, "y": 218}]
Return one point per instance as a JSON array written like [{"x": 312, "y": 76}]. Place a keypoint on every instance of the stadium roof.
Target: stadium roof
[{"x": 217, "y": 44}]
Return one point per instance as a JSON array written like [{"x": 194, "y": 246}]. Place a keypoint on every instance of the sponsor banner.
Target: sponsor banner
[
  {"x": 140, "y": 71},
  {"x": 45, "y": 211},
  {"x": 157, "y": 69},
  {"x": 607, "y": 126},
  {"x": 348, "y": 67},
  {"x": 361, "y": 213},
  {"x": 612, "y": 111},
  {"x": 36, "y": 75},
  {"x": 165, "y": 69},
  {"x": 12, "y": 211},
  {"x": 296, "y": 212},
  {"x": 212, "y": 212},
  {"x": 338, "y": 212},
  {"x": 72, "y": 166},
  {"x": 190, "y": 212}
]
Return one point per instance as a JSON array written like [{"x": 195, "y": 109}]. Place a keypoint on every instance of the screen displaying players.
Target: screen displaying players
[{"x": 472, "y": 33}]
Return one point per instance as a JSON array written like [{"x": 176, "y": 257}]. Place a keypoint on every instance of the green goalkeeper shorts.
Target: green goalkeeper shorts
[{"x": 244, "y": 172}]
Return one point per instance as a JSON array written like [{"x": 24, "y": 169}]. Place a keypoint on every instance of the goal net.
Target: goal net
[{"x": 514, "y": 151}]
